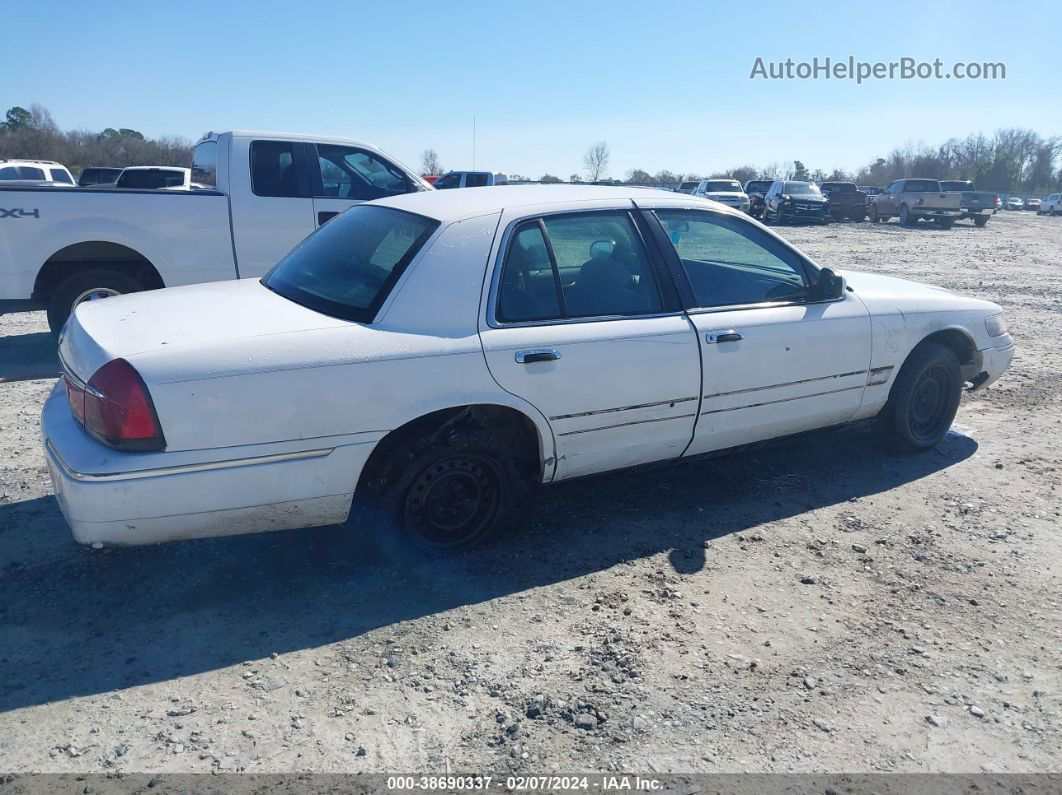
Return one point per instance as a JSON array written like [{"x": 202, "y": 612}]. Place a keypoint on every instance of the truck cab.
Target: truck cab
[{"x": 470, "y": 179}]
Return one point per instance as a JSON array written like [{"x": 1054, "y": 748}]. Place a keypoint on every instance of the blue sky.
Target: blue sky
[{"x": 666, "y": 85}]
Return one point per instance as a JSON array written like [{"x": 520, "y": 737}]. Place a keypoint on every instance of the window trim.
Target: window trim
[
  {"x": 690, "y": 305},
  {"x": 667, "y": 297}
]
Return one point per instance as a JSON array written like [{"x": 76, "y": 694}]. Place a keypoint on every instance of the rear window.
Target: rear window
[
  {"x": 60, "y": 175},
  {"x": 839, "y": 187},
  {"x": 922, "y": 186},
  {"x": 151, "y": 179},
  {"x": 722, "y": 186},
  {"x": 347, "y": 267},
  {"x": 205, "y": 164}
]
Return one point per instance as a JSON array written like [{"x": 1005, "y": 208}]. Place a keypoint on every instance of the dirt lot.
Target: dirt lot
[{"x": 816, "y": 606}]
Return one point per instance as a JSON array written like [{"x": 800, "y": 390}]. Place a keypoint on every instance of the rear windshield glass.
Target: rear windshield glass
[
  {"x": 922, "y": 186},
  {"x": 802, "y": 189},
  {"x": 760, "y": 185},
  {"x": 954, "y": 185},
  {"x": 722, "y": 186},
  {"x": 347, "y": 267},
  {"x": 151, "y": 179},
  {"x": 839, "y": 187}
]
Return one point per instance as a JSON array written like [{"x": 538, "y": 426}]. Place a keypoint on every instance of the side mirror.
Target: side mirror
[
  {"x": 601, "y": 249},
  {"x": 829, "y": 284}
]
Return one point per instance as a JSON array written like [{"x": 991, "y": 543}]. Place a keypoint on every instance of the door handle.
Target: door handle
[
  {"x": 723, "y": 336},
  {"x": 537, "y": 355}
]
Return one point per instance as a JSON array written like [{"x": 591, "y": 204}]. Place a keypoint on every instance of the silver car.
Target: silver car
[{"x": 725, "y": 191}]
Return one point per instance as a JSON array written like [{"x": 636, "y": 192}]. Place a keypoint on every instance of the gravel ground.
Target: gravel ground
[{"x": 815, "y": 606}]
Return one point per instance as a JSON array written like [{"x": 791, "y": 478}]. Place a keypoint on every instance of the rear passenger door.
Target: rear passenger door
[
  {"x": 582, "y": 322},
  {"x": 270, "y": 203},
  {"x": 342, "y": 176}
]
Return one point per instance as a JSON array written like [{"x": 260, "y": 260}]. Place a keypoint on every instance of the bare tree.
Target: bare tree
[
  {"x": 430, "y": 165},
  {"x": 595, "y": 161}
]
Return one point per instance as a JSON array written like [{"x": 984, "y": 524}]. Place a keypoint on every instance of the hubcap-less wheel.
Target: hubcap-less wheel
[
  {"x": 930, "y": 403},
  {"x": 453, "y": 501},
  {"x": 94, "y": 294}
]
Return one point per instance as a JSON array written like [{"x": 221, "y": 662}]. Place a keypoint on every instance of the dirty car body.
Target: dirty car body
[{"x": 434, "y": 353}]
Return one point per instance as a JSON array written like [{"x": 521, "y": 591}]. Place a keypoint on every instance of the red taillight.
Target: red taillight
[{"x": 116, "y": 408}]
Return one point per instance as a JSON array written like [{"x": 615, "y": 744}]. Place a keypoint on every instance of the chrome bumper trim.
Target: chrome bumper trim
[{"x": 182, "y": 469}]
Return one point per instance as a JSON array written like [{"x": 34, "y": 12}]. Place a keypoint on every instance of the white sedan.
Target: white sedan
[{"x": 437, "y": 354}]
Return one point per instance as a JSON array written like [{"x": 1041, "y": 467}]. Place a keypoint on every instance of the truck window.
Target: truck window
[
  {"x": 205, "y": 164},
  {"x": 151, "y": 179},
  {"x": 273, "y": 169},
  {"x": 449, "y": 181},
  {"x": 475, "y": 180},
  {"x": 351, "y": 173}
]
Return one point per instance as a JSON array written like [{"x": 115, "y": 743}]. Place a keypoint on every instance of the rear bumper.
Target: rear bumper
[
  {"x": 933, "y": 212},
  {"x": 250, "y": 489}
]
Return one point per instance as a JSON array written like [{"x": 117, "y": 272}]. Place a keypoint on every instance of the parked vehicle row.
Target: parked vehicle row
[
  {"x": 583, "y": 330},
  {"x": 259, "y": 195}
]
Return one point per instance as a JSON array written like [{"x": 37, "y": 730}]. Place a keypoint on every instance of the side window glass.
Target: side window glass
[
  {"x": 449, "y": 181},
  {"x": 59, "y": 175},
  {"x": 31, "y": 172},
  {"x": 273, "y": 169},
  {"x": 528, "y": 287},
  {"x": 349, "y": 173},
  {"x": 603, "y": 267},
  {"x": 475, "y": 180},
  {"x": 8, "y": 172},
  {"x": 730, "y": 262},
  {"x": 205, "y": 165}
]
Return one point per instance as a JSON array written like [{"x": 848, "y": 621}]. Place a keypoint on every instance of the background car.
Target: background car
[
  {"x": 755, "y": 189},
  {"x": 846, "y": 201},
  {"x": 1014, "y": 203},
  {"x": 155, "y": 178},
  {"x": 794, "y": 200},
  {"x": 36, "y": 170},
  {"x": 1052, "y": 205},
  {"x": 470, "y": 179},
  {"x": 870, "y": 190},
  {"x": 725, "y": 191},
  {"x": 1033, "y": 204},
  {"x": 687, "y": 187}
]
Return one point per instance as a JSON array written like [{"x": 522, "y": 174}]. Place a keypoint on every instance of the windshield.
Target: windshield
[
  {"x": 839, "y": 187},
  {"x": 801, "y": 189},
  {"x": 347, "y": 267},
  {"x": 722, "y": 186},
  {"x": 760, "y": 186}
]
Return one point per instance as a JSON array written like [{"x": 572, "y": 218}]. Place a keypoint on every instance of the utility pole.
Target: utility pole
[{"x": 473, "y": 143}]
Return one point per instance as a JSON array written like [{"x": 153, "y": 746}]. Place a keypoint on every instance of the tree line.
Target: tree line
[
  {"x": 33, "y": 135},
  {"x": 1012, "y": 160}
]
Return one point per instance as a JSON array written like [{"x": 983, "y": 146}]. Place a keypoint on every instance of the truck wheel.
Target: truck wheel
[
  {"x": 450, "y": 494},
  {"x": 858, "y": 217},
  {"x": 980, "y": 220},
  {"x": 946, "y": 223},
  {"x": 906, "y": 219},
  {"x": 874, "y": 217},
  {"x": 88, "y": 285},
  {"x": 924, "y": 398}
]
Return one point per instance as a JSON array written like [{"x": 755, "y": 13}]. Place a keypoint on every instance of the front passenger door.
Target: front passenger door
[
  {"x": 348, "y": 175},
  {"x": 775, "y": 360}
]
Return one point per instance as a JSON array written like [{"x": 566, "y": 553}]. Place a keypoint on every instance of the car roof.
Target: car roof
[
  {"x": 287, "y": 136},
  {"x": 449, "y": 205}
]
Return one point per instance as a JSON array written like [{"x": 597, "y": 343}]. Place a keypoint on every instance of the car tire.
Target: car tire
[
  {"x": 980, "y": 221},
  {"x": 446, "y": 495},
  {"x": 946, "y": 223},
  {"x": 924, "y": 398},
  {"x": 906, "y": 219},
  {"x": 81, "y": 286}
]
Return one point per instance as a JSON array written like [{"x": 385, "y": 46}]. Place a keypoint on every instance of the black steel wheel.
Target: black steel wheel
[{"x": 925, "y": 397}]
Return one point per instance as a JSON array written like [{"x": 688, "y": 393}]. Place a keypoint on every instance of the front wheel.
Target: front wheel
[
  {"x": 924, "y": 398},
  {"x": 447, "y": 495},
  {"x": 88, "y": 285},
  {"x": 906, "y": 219}
]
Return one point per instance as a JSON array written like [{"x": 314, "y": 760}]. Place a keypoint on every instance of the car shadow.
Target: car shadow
[
  {"x": 76, "y": 622},
  {"x": 29, "y": 356}
]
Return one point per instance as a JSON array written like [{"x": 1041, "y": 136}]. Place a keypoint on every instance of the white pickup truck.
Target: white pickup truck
[{"x": 256, "y": 196}]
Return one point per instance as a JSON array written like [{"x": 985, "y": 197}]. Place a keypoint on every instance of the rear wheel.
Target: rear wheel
[
  {"x": 449, "y": 494},
  {"x": 980, "y": 220},
  {"x": 906, "y": 218},
  {"x": 87, "y": 285},
  {"x": 925, "y": 398}
]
